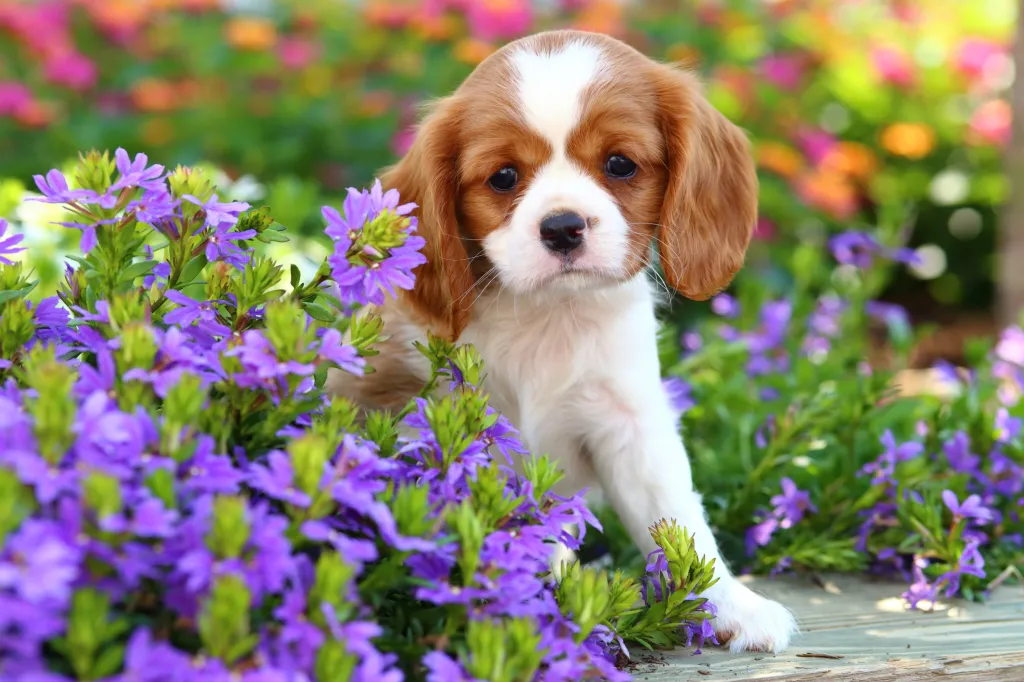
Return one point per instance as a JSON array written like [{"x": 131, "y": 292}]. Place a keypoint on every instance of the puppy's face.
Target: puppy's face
[{"x": 557, "y": 164}]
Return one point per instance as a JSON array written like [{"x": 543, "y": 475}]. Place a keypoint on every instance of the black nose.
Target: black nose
[{"x": 562, "y": 232}]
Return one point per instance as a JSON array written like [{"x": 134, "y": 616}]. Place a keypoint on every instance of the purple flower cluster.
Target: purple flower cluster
[
  {"x": 861, "y": 249},
  {"x": 172, "y": 458}
]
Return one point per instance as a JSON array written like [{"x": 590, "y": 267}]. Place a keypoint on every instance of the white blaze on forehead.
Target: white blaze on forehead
[{"x": 551, "y": 87}]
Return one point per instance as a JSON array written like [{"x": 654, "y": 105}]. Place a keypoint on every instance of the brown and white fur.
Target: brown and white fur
[{"x": 568, "y": 335}]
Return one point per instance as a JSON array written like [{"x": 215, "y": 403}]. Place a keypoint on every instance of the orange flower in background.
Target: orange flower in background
[
  {"x": 601, "y": 16},
  {"x": 119, "y": 15},
  {"x": 154, "y": 95},
  {"x": 250, "y": 33},
  {"x": 389, "y": 13},
  {"x": 851, "y": 159},
  {"x": 779, "y": 158},
  {"x": 435, "y": 27},
  {"x": 375, "y": 103},
  {"x": 472, "y": 51},
  {"x": 911, "y": 140},
  {"x": 830, "y": 192},
  {"x": 36, "y": 114}
]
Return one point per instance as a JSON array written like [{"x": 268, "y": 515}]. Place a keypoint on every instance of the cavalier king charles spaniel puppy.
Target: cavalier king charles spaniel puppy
[{"x": 544, "y": 183}]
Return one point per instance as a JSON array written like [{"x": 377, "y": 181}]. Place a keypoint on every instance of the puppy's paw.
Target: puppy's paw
[{"x": 746, "y": 621}]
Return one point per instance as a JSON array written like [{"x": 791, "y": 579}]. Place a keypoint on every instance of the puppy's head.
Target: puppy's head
[{"x": 558, "y": 163}]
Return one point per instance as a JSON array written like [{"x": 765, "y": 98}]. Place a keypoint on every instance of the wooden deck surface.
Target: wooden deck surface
[{"x": 854, "y": 630}]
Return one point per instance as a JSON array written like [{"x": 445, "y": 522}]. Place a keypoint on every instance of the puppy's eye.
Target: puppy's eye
[
  {"x": 619, "y": 167},
  {"x": 504, "y": 180}
]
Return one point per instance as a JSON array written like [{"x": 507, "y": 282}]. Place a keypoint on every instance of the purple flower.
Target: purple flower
[
  {"x": 680, "y": 394},
  {"x": 1007, "y": 428},
  {"x": 136, "y": 173},
  {"x": 333, "y": 350},
  {"x": 220, "y": 244},
  {"x": 892, "y": 314},
  {"x": 441, "y": 668},
  {"x": 217, "y": 212},
  {"x": 958, "y": 453},
  {"x": 725, "y": 305},
  {"x": 920, "y": 590},
  {"x": 38, "y": 565},
  {"x": 970, "y": 562},
  {"x": 1011, "y": 346},
  {"x": 883, "y": 468},
  {"x": 761, "y": 534},
  {"x": 860, "y": 249},
  {"x": 971, "y": 508},
  {"x": 791, "y": 505},
  {"x": 189, "y": 309},
  {"x": 384, "y": 272},
  {"x": 55, "y": 190},
  {"x": 277, "y": 479},
  {"x": 9, "y": 245},
  {"x": 155, "y": 205}
]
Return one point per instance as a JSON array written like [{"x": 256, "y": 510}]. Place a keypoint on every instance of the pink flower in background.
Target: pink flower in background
[
  {"x": 894, "y": 66},
  {"x": 991, "y": 122},
  {"x": 72, "y": 70},
  {"x": 402, "y": 140},
  {"x": 785, "y": 71},
  {"x": 974, "y": 54},
  {"x": 297, "y": 53},
  {"x": 499, "y": 19},
  {"x": 42, "y": 25},
  {"x": 815, "y": 144},
  {"x": 14, "y": 98},
  {"x": 765, "y": 230}
]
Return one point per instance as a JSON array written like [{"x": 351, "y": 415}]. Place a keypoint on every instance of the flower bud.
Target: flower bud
[
  {"x": 334, "y": 663},
  {"x": 542, "y": 473},
  {"x": 309, "y": 455},
  {"x": 381, "y": 429},
  {"x": 16, "y": 503},
  {"x": 470, "y": 530},
  {"x": 194, "y": 181},
  {"x": 102, "y": 493},
  {"x": 332, "y": 584},
  {"x": 490, "y": 496},
  {"x": 88, "y": 634},
  {"x": 95, "y": 171},
  {"x": 16, "y": 327},
  {"x": 224, "y": 620},
  {"x": 231, "y": 527},
  {"x": 53, "y": 409},
  {"x": 411, "y": 510},
  {"x": 183, "y": 407}
]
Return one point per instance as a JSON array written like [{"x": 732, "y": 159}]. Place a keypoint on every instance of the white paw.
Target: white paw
[{"x": 746, "y": 621}]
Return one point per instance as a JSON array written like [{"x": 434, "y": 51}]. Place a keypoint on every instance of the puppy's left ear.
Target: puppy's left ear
[{"x": 710, "y": 205}]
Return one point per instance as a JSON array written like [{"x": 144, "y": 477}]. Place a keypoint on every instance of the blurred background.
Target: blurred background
[{"x": 852, "y": 105}]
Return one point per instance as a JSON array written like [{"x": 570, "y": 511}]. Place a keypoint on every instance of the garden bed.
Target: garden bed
[{"x": 856, "y": 629}]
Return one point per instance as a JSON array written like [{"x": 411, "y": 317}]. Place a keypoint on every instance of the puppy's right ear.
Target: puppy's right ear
[{"x": 427, "y": 175}]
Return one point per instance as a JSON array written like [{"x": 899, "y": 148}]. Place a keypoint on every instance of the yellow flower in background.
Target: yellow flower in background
[
  {"x": 472, "y": 51},
  {"x": 779, "y": 158},
  {"x": 250, "y": 33},
  {"x": 910, "y": 140},
  {"x": 316, "y": 80},
  {"x": 851, "y": 159}
]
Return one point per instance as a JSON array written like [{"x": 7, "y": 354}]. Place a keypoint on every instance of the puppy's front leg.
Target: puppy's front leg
[{"x": 639, "y": 458}]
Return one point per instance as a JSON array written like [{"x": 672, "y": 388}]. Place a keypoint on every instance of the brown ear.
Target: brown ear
[
  {"x": 710, "y": 205},
  {"x": 427, "y": 176}
]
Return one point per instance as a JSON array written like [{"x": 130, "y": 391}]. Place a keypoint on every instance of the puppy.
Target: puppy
[{"x": 543, "y": 184}]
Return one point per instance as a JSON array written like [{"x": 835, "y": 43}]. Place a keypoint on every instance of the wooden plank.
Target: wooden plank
[{"x": 856, "y": 629}]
